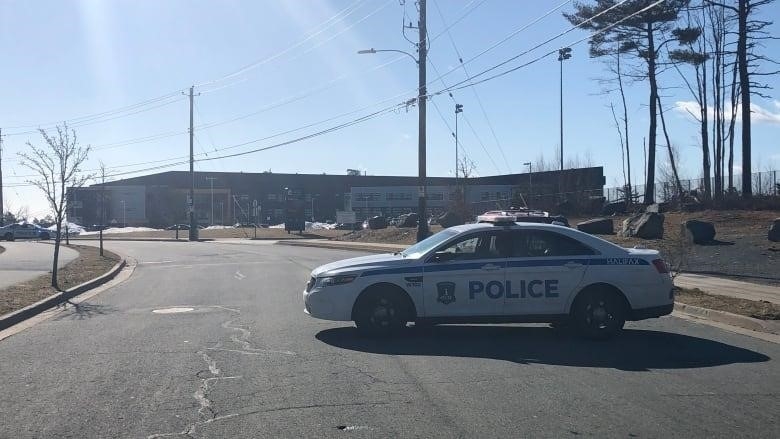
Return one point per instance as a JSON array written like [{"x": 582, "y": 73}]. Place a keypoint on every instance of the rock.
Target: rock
[
  {"x": 449, "y": 219},
  {"x": 597, "y": 226},
  {"x": 377, "y": 222},
  {"x": 408, "y": 220},
  {"x": 774, "y": 231},
  {"x": 648, "y": 225},
  {"x": 653, "y": 208},
  {"x": 700, "y": 232},
  {"x": 613, "y": 208}
]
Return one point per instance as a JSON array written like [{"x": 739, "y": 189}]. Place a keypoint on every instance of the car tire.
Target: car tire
[
  {"x": 45, "y": 237},
  {"x": 599, "y": 314},
  {"x": 8, "y": 237},
  {"x": 381, "y": 313}
]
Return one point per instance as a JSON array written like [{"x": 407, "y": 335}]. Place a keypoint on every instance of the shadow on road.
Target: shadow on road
[
  {"x": 83, "y": 310},
  {"x": 634, "y": 350}
]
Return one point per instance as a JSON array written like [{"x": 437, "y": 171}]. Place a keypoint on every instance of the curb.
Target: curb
[
  {"x": 724, "y": 317},
  {"x": 140, "y": 239},
  {"x": 12, "y": 318},
  {"x": 333, "y": 245}
]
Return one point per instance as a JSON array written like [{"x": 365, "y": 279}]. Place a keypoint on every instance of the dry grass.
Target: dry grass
[
  {"x": 88, "y": 265},
  {"x": 758, "y": 310}
]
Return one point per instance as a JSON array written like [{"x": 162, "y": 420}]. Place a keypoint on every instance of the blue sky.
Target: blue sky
[{"x": 66, "y": 59}]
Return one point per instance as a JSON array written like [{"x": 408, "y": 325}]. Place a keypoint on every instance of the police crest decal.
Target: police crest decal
[{"x": 446, "y": 292}]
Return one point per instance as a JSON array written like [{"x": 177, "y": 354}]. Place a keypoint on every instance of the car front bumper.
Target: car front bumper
[{"x": 318, "y": 304}]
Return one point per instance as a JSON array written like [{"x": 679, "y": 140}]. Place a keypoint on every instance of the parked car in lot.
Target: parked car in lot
[{"x": 23, "y": 231}]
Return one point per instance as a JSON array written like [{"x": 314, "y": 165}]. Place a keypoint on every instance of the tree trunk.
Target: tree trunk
[
  {"x": 705, "y": 139},
  {"x": 734, "y": 104},
  {"x": 672, "y": 161},
  {"x": 56, "y": 255},
  {"x": 651, "y": 74},
  {"x": 629, "y": 198},
  {"x": 744, "y": 84}
]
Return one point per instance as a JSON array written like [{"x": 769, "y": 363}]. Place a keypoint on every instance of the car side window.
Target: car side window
[
  {"x": 542, "y": 243},
  {"x": 485, "y": 245}
]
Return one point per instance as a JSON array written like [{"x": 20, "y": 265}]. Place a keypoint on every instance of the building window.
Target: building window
[
  {"x": 361, "y": 196},
  {"x": 392, "y": 196},
  {"x": 436, "y": 196},
  {"x": 271, "y": 197}
]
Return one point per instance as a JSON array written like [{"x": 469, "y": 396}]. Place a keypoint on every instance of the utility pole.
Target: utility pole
[
  {"x": 193, "y": 223},
  {"x": 211, "y": 180},
  {"x": 563, "y": 54},
  {"x": 458, "y": 109},
  {"x": 422, "y": 221},
  {"x": 2, "y": 221}
]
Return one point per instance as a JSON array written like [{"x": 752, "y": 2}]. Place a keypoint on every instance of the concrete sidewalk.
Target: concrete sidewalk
[
  {"x": 708, "y": 284},
  {"x": 730, "y": 288}
]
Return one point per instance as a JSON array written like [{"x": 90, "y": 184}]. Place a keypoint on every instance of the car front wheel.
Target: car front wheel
[
  {"x": 380, "y": 314},
  {"x": 599, "y": 314}
]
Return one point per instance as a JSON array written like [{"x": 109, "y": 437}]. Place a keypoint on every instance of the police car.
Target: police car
[{"x": 497, "y": 271}]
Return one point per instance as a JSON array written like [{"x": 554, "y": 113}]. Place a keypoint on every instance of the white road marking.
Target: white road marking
[
  {"x": 172, "y": 310},
  {"x": 238, "y": 275}
]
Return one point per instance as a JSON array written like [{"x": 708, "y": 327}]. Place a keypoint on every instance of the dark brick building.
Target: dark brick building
[{"x": 161, "y": 199}]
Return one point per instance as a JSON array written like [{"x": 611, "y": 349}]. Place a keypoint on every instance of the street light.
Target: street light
[
  {"x": 458, "y": 109},
  {"x": 529, "y": 180},
  {"x": 211, "y": 180},
  {"x": 563, "y": 54},
  {"x": 312, "y": 205},
  {"x": 124, "y": 214},
  {"x": 422, "y": 49}
]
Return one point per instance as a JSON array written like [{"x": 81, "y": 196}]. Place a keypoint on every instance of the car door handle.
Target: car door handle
[
  {"x": 491, "y": 267},
  {"x": 572, "y": 265}
]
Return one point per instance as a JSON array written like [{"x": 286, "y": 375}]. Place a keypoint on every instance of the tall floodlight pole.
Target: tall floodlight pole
[{"x": 563, "y": 54}]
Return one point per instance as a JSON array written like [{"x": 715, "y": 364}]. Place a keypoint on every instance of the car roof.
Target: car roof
[{"x": 599, "y": 244}]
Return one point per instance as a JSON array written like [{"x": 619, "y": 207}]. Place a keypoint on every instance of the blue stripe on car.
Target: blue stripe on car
[{"x": 522, "y": 263}]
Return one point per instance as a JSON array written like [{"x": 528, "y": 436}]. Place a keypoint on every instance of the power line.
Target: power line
[
  {"x": 474, "y": 90},
  {"x": 337, "y": 18},
  {"x": 470, "y": 80}
]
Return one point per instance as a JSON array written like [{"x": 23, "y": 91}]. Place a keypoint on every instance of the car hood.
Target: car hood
[{"x": 361, "y": 263}]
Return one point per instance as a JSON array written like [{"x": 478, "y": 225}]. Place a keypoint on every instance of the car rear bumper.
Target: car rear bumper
[{"x": 652, "y": 312}]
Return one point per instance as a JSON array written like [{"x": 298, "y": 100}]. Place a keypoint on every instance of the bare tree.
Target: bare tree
[{"x": 57, "y": 166}]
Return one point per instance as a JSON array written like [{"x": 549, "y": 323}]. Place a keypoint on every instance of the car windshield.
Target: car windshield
[{"x": 424, "y": 246}]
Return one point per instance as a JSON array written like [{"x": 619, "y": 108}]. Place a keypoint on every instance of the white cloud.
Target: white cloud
[{"x": 760, "y": 114}]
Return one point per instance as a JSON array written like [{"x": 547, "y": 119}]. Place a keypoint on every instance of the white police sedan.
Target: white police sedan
[{"x": 496, "y": 272}]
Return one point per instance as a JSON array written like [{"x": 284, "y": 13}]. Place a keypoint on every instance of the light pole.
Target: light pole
[
  {"x": 458, "y": 109},
  {"x": 211, "y": 180},
  {"x": 422, "y": 49},
  {"x": 529, "y": 179},
  {"x": 312, "y": 205},
  {"x": 124, "y": 214},
  {"x": 563, "y": 54}
]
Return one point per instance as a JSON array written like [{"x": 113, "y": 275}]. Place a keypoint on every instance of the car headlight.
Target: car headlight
[{"x": 336, "y": 280}]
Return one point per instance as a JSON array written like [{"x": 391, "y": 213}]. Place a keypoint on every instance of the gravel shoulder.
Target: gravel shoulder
[
  {"x": 762, "y": 310},
  {"x": 88, "y": 265}
]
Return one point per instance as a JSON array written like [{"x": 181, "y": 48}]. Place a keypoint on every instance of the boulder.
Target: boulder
[
  {"x": 648, "y": 225},
  {"x": 700, "y": 232},
  {"x": 377, "y": 222},
  {"x": 408, "y": 220},
  {"x": 614, "y": 207},
  {"x": 774, "y": 231},
  {"x": 597, "y": 226},
  {"x": 449, "y": 219}
]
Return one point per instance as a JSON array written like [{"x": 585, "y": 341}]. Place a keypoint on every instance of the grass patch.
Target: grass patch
[
  {"x": 752, "y": 308},
  {"x": 88, "y": 265}
]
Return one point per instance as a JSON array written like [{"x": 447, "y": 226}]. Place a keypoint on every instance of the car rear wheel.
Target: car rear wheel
[
  {"x": 8, "y": 236},
  {"x": 381, "y": 313},
  {"x": 599, "y": 314}
]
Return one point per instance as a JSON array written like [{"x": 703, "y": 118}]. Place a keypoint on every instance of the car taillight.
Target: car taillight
[{"x": 660, "y": 266}]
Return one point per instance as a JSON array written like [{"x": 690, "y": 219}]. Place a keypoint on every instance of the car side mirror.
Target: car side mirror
[{"x": 443, "y": 256}]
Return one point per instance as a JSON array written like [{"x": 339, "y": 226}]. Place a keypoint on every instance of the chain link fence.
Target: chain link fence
[{"x": 765, "y": 184}]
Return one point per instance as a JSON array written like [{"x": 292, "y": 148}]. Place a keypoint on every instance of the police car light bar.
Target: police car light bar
[{"x": 496, "y": 219}]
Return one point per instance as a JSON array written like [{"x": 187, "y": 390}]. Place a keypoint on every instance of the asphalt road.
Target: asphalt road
[
  {"x": 246, "y": 362},
  {"x": 23, "y": 260}
]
